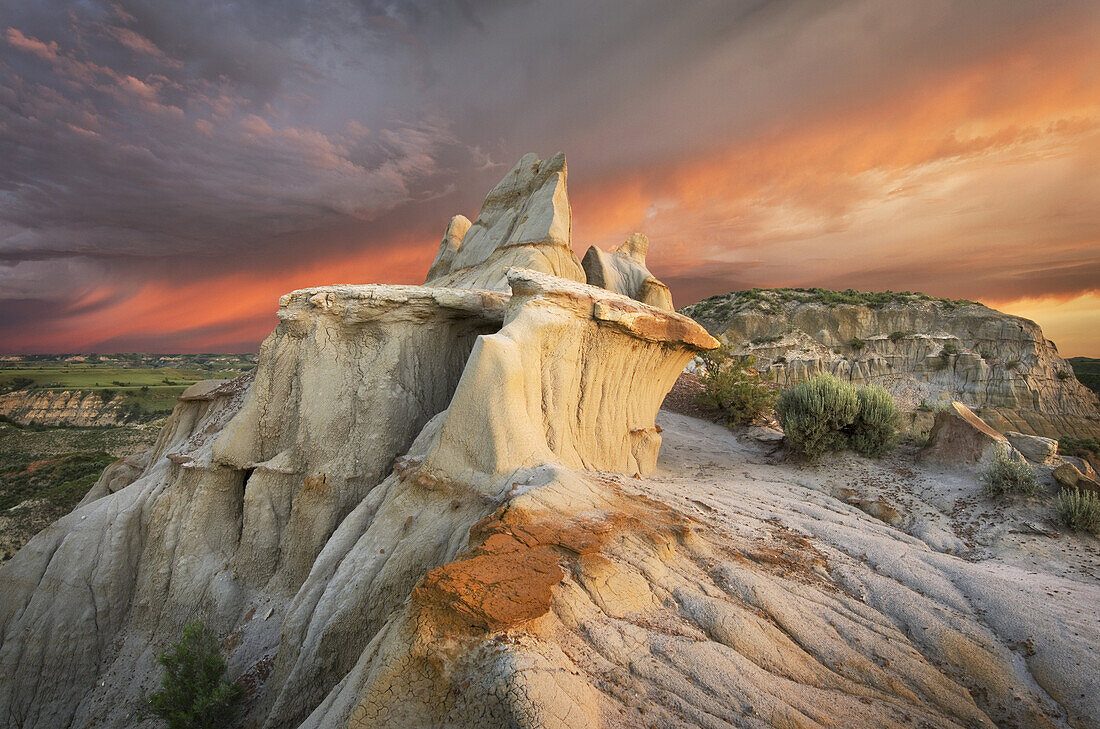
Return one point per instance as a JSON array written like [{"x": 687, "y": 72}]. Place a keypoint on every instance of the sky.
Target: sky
[{"x": 167, "y": 170}]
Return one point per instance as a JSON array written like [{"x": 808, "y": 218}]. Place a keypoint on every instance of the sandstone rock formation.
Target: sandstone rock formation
[
  {"x": 1033, "y": 447},
  {"x": 524, "y": 222},
  {"x": 623, "y": 270},
  {"x": 442, "y": 507},
  {"x": 960, "y": 436},
  {"x": 926, "y": 351},
  {"x": 1068, "y": 475}
]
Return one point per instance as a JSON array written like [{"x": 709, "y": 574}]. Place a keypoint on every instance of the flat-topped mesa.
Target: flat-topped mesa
[
  {"x": 623, "y": 271},
  {"x": 525, "y": 222},
  {"x": 575, "y": 377}
]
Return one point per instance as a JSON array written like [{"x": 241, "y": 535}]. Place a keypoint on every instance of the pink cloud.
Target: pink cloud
[{"x": 47, "y": 51}]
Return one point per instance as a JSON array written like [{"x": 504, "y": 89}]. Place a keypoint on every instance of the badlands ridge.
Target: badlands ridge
[{"x": 458, "y": 505}]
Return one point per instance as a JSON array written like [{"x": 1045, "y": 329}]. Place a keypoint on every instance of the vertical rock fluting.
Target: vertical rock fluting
[
  {"x": 573, "y": 380},
  {"x": 343, "y": 386}
]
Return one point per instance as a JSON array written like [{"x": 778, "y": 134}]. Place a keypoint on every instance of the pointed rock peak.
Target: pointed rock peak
[
  {"x": 636, "y": 247},
  {"x": 525, "y": 221},
  {"x": 448, "y": 247}
]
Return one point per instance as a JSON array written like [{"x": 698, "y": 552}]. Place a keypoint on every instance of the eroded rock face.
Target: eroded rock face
[
  {"x": 923, "y": 350},
  {"x": 623, "y": 271},
  {"x": 525, "y": 222}
]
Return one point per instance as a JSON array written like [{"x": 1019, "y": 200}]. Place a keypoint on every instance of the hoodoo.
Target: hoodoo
[{"x": 443, "y": 506}]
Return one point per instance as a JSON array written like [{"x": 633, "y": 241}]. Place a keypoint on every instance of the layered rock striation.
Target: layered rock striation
[{"x": 926, "y": 351}]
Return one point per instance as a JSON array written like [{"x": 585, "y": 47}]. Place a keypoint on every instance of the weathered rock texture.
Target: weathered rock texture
[
  {"x": 923, "y": 350},
  {"x": 623, "y": 270},
  {"x": 524, "y": 222},
  {"x": 83, "y": 408},
  {"x": 430, "y": 509}
]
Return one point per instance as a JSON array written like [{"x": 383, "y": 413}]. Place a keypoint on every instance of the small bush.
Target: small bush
[
  {"x": 813, "y": 414},
  {"x": 951, "y": 347},
  {"x": 1078, "y": 510},
  {"x": 106, "y": 395},
  {"x": 1008, "y": 476},
  {"x": 875, "y": 428},
  {"x": 733, "y": 387},
  {"x": 895, "y": 336},
  {"x": 856, "y": 343},
  {"x": 1012, "y": 364},
  {"x": 1063, "y": 375},
  {"x": 194, "y": 691}
]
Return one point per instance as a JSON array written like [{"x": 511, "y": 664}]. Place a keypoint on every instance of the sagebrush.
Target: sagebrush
[
  {"x": 1008, "y": 475},
  {"x": 1078, "y": 510},
  {"x": 814, "y": 414},
  {"x": 826, "y": 414},
  {"x": 875, "y": 428},
  {"x": 733, "y": 387}
]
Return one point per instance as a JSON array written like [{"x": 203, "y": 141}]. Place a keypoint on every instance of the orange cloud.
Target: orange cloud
[
  {"x": 212, "y": 313},
  {"x": 977, "y": 183}
]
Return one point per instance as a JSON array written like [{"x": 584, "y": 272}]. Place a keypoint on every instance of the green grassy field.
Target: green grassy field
[{"x": 147, "y": 387}]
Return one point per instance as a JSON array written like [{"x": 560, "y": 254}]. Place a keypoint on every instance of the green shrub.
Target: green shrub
[
  {"x": 1078, "y": 510},
  {"x": 813, "y": 414},
  {"x": 950, "y": 347},
  {"x": 733, "y": 387},
  {"x": 1063, "y": 375},
  {"x": 856, "y": 343},
  {"x": 875, "y": 428},
  {"x": 1008, "y": 475},
  {"x": 895, "y": 336},
  {"x": 106, "y": 395},
  {"x": 194, "y": 691},
  {"x": 1012, "y": 364}
]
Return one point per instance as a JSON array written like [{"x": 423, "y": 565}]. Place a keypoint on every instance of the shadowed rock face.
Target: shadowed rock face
[
  {"x": 923, "y": 350},
  {"x": 431, "y": 509},
  {"x": 623, "y": 271}
]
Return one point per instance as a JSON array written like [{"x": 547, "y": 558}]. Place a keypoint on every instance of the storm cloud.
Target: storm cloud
[{"x": 168, "y": 169}]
